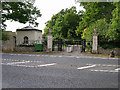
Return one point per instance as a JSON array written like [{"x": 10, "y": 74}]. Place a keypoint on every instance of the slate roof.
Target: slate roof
[{"x": 28, "y": 28}]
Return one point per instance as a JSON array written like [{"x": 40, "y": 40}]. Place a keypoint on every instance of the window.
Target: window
[{"x": 25, "y": 40}]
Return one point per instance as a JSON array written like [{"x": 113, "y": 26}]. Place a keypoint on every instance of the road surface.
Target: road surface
[{"x": 58, "y": 71}]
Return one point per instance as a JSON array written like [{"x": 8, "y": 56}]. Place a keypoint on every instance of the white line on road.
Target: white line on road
[
  {"x": 77, "y": 57},
  {"x": 17, "y": 63},
  {"x": 117, "y": 69},
  {"x": 46, "y": 65},
  {"x": 60, "y": 56},
  {"x": 53, "y": 56},
  {"x": 86, "y": 67},
  {"x": 104, "y": 65},
  {"x": 37, "y": 55},
  {"x": 104, "y": 70},
  {"x": 29, "y": 55},
  {"x": 113, "y": 58}
]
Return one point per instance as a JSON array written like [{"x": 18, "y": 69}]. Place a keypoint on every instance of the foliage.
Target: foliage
[
  {"x": 102, "y": 28},
  {"x": 21, "y": 12},
  {"x": 105, "y": 16},
  {"x": 63, "y": 24},
  {"x": 109, "y": 45},
  {"x": 5, "y": 37},
  {"x": 93, "y": 12},
  {"x": 114, "y": 30}
]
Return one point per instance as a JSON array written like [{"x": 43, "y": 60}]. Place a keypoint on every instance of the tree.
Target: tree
[
  {"x": 93, "y": 12},
  {"x": 5, "y": 37},
  {"x": 114, "y": 30},
  {"x": 102, "y": 29},
  {"x": 21, "y": 12},
  {"x": 63, "y": 24}
]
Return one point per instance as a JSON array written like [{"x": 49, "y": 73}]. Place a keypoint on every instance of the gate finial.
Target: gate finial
[
  {"x": 95, "y": 31},
  {"x": 50, "y": 31}
]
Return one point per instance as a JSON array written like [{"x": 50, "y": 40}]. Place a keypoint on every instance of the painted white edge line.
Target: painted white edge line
[
  {"x": 103, "y": 65},
  {"x": 86, "y": 67},
  {"x": 104, "y": 70},
  {"x": 46, "y": 65},
  {"x": 13, "y": 63},
  {"x": 117, "y": 69}
]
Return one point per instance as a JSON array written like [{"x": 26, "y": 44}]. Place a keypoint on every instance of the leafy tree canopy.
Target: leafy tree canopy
[
  {"x": 93, "y": 12},
  {"x": 114, "y": 30},
  {"x": 5, "y": 37},
  {"x": 102, "y": 29},
  {"x": 21, "y": 12},
  {"x": 63, "y": 24}
]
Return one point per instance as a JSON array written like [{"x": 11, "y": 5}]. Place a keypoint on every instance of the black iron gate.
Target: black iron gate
[
  {"x": 59, "y": 44},
  {"x": 83, "y": 45}
]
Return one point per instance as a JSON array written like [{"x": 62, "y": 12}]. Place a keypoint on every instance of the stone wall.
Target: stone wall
[
  {"x": 9, "y": 45},
  {"x": 74, "y": 48},
  {"x": 24, "y": 49},
  {"x": 107, "y": 51}
]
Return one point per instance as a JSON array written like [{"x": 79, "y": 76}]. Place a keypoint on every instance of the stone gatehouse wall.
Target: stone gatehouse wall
[
  {"x": 24, "y": 49},
  {"x": 107, "y": 51},
  {"x": 9, "y": 45}
]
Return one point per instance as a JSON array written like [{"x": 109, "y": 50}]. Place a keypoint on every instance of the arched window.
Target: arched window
[{"x": 25, "y": 40}]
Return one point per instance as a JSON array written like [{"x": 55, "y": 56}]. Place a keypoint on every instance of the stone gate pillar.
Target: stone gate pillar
[
  {"x": 49, "y": 41},
  {"x": 95, "y": 42}
]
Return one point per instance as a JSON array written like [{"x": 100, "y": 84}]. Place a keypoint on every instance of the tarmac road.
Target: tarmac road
[{"x": 58, "y": 71}]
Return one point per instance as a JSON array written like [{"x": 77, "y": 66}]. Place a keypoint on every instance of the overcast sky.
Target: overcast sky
[{"x": 47, "y": 8}]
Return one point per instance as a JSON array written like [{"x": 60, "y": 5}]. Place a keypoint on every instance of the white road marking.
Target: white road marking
[
  {"x": 29, "y": 55},
  {"x": 104, "y": 58},
  {"x": 77, "y": 57},
  {"x": 93, "y": 65},
  {"x": 46, "y": 65},
  {"x": 13, "y": 63},
  {"x": 12, "y": 54},
  {"x": 113, "y": 58},
  {"x": 60, "y": 56},
  {"x": 104, "y": 70},
  {"x": 37, "y": 55},
  {"x": 46, "y": 55},
  {"x": 117, "y": 69},
  {"x": 19, "y": 65},
  {"x": 52, "y": 56},
  {"x": 18, "y": 61},
  {"x": 86, "y": 67},
  {"x": 104, "y": 65},
  {"x": 32, "y": 55}
]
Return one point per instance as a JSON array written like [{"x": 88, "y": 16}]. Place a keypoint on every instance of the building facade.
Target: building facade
[{"x": 28, "y": 36}]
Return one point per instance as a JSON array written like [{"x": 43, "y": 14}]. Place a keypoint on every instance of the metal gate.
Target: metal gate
[{"x": 60, "y": 44}]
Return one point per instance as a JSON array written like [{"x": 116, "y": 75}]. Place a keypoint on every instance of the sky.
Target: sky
[{"x": 48, "y": 8}]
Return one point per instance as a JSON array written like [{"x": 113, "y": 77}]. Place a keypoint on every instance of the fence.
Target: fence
[
  {"x": 89, "y": 46},
  {"x": 61, "y": 45}
]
